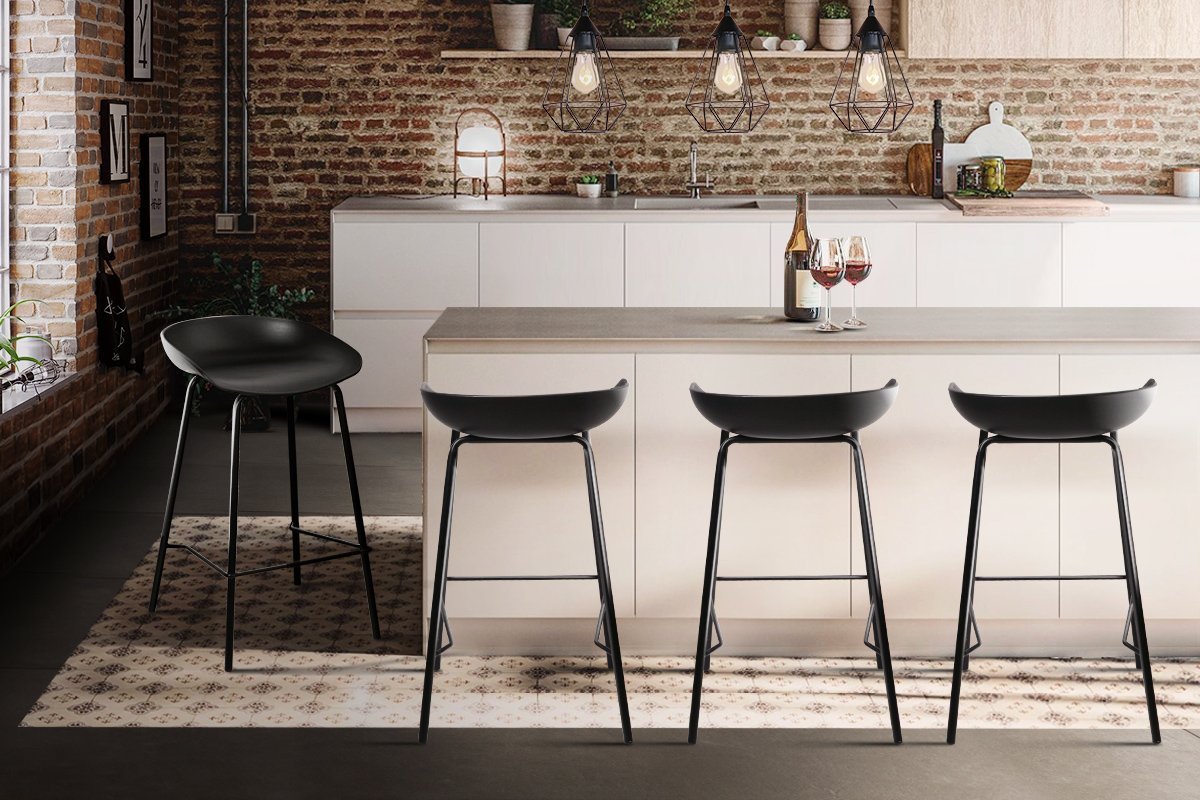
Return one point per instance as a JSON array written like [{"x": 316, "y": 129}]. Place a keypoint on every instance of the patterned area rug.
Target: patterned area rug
[{"x": 305, "y": 658}]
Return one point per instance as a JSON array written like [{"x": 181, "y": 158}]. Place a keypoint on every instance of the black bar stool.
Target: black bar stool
[
  {"x": 262, "y": 357},
  {"x": 547, "y": 418},
  {"x": 818, "y": 418},
  {"x": 1065, "y": 419}
]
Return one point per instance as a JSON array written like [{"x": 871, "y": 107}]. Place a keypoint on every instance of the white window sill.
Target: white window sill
[{"x": 15, "y": 396}]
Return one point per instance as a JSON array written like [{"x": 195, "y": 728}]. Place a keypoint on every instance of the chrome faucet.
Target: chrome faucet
[{"x": 693, "y": 184}]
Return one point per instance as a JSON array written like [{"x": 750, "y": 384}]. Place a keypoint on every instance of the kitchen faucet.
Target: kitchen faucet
[{"x": 693, "y": 185}]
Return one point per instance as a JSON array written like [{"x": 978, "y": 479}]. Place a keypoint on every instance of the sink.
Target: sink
[{"x": 691, "y": 204}]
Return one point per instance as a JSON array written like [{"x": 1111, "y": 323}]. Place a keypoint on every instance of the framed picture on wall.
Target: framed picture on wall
[
  {"x": 139, "y": 40},
  {"x": 153, "y": 177},
  {"x": 114, "y": 141}
]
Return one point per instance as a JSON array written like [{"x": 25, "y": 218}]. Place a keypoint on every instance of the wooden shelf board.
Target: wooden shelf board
[{"x": 691, "y": 54}]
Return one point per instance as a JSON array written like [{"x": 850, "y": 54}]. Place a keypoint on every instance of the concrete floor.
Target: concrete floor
[{"x": 53, "y": 596}]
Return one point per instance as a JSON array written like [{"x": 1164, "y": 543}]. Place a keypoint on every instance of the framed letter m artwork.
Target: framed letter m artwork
[
  {"x": 139, "y": 40},
  {"x": 114, "y": 141}
]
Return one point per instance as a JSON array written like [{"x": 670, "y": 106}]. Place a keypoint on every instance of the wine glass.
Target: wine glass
[
  {"x": 858, "y": 267},
  {"x": 827, "y": 267}
]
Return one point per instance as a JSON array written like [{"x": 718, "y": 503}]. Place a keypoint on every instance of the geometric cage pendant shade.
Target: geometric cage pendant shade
[
  {"x": 727, "y": 94},
  {"x": 584, "y": 95},
  {"x": 871, "y": 94}
]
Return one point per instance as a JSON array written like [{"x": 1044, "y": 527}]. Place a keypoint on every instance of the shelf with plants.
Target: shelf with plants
[{"x": 641, "y": 54}]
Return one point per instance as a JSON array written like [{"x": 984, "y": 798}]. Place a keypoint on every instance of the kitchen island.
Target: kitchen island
[{"x": 1050, "y": 509}]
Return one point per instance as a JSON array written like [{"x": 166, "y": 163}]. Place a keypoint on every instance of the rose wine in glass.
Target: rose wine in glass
[
  {"x": 858, "y": 267},
  {"x": 827, "y": 267}
]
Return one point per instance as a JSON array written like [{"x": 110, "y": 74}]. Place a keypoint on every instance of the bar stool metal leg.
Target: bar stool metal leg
[
  {"x": 1135, "y": 590},
  {"x": 883, "y": 648},
  {"x": 356, "y": 501},
  {"x": 235, "y": 424},
  {"x": 172, "y": 491},
  {"x": 439, "y": 585},
  {"x": 293, "y": 485},
  {"x": 605, "y": 580},
  {"x": 710, "y": 583},
  {"x": 968, "y": 585}
]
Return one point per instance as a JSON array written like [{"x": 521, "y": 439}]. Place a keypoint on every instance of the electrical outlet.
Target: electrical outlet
[{"x": 233, "y": 224}]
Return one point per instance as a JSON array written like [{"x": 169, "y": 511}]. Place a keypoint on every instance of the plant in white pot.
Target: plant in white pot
[
  {"x": 588, "y": 186},
  {"x": 835, "y": 26},
  {"x": 561, "y": 15},
  {"x": 512, "y": 23},
  {"x": 26, "y": 348}
]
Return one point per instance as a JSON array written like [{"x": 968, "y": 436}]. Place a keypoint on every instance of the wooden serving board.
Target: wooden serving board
[
  {"x": 919, "y": 169},
  {"x": 1032, "y": 204}
]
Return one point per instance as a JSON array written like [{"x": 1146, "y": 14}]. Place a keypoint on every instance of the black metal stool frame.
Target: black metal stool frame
[
  {"x": 876, "y": 617},
  {"x": 437, "y": 613},
  {"x": 1135, "y": 620},
  {"x": 230, "y": 572}
]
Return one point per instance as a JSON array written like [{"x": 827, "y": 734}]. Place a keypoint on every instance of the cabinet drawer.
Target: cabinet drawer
[
  {"x": 1101, "y": 259},
  {"x": 692, "y": 264},
  {"x": 383, "y": 266},
  {"x": 552, "y": 264},
  {"x": 393, "y": 352},
  {"x": 995, "y": 265}
]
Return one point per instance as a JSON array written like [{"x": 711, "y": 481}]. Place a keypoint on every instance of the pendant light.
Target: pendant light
[
  {"x": 585, "y": 96},
  {"x": 874, "y": 96},
  {"x": 727, "y": 94}
]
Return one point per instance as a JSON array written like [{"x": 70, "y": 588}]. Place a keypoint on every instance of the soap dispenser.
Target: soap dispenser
[{"x": 610, "y": 181}]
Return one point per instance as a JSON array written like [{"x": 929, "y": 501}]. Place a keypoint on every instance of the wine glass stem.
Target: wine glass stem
[
  {"x": 828, "y": 306},
  {"x": 853, "y": 301}
]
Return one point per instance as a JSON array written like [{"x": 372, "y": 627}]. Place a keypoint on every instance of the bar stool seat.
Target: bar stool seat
[
  {"x": 546, "y": 419},
  {"x": 1053, "y": 417},
  {"x": 793, "y": 419},
  {"x": 260, "y": 356},
  {"x": 1064, "y": 419}
]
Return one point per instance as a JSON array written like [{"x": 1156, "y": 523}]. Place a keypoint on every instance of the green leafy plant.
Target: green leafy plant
[
  {"x": 589, "y": 179},
  {"x": 236, "y": 288},
  {"x": 835, "y": 11},
  {"x": 795, "y": 37},
  {"x": 9, "y": 357},
  {"x": 565, "y": 12},
  {"x": 650, "y": 17},
  {"x": 763, "y": 34}
]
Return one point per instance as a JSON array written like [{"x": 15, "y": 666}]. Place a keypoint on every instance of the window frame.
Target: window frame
[{"x": 5, "y": 170}]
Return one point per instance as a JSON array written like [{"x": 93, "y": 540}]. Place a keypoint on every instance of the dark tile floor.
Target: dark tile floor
[{"x": 51, "y": 599}]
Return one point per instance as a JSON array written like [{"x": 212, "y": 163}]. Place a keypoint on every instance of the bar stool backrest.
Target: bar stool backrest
[
  {"x": 1053, "y": 417},
  {"x": 795, "y": 417},
  {"x": 525, "y": 417}
]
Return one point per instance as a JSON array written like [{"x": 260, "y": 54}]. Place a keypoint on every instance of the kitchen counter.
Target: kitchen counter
[{"x": 1050, "y": 510}]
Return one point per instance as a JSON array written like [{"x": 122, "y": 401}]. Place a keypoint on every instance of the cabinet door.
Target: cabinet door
[
  {"x": 522, "y": 509},
  {"x": 893, "y": 279},
  {"x": 1014, "y": 29},
  {"x": 787, "y": 506},
  {"x": 920, "y": 458},
  {"x": 392, "y": 350},
  {"x": 698, "y": 264},
  {"x": 1162, "y": 29},
  {"x": 1102, "y": 262},
  {"x": 551, "y": 264},
  {"x": 982, "y": 264},
  {"x": 1162, "y": 467},
  {"x": 388, "y": 265}
]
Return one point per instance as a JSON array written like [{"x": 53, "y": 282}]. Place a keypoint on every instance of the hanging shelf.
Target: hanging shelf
[{"x": 447, "y": 55}]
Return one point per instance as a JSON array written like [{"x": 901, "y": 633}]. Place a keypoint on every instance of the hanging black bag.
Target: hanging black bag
[{"x": 114, "y": 338}]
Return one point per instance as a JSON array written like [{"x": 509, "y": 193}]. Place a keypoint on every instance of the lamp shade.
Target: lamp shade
[
  {"x": 727, "y": 95},
  {"x": 871, "y": 94},
  {"x": 480, "y": 140}
]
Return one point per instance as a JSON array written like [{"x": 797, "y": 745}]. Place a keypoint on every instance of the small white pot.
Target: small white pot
[
  {"x": 764, "y": 43},
  {"x": 835, "y": 34},
  {"x": 793, "y": 45},
  {"x": 564, "y": 37},
  {"x": 589, "y": 190}
]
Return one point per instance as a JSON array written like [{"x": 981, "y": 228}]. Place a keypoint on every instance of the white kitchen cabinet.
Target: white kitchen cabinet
[
  {"x": 920, "y": 459},
  {"x": 984, "y": 264},
  {"x": 893, "y": 279},
  {"x": 977, "y": 29},
  {"x": 383, "y": 266},
  {"x": 552, "y": 264},
  {"x": 522, "y": 509},
  {"x": 1162, "y": 29},
  {"x": 1131, "y": 264},
  {"x": 392, "y": 351},
  {"x": 698, "y": 264},
  {"x": 786, "y": 507},
  {"x": 1162, "y": 466}
]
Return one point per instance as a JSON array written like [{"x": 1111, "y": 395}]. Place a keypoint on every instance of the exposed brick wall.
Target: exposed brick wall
[
  {"x": 70, "y": 55},
  {"x": 352, "y": 98}
]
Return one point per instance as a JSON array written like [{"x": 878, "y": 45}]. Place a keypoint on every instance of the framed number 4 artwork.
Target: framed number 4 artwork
[{"x": 139, "y": 40}]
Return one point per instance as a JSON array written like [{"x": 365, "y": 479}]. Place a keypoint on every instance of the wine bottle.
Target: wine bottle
[
  {"x": 938, "y": 189},
  {"x": 801, "y": 294}
]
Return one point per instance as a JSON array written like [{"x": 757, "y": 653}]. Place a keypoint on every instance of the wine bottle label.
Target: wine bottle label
[{"x": 808, "y": 292}]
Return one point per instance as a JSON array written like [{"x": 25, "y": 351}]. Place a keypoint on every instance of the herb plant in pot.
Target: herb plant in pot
[
  {"x": 835, "y": 26},
  {"x": 588, "y": 186},
  {"x": 553, "y": 22},
  {"x": 512, "y": 23},
  {"x": 237, "y": 288},
  {"x": 647, "y": 25},
  {"x": 26, "y": 349}
]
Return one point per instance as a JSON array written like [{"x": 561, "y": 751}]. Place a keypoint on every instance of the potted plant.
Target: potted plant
[
  {"x": 553, "y": 22},
  {"x": 858, "y": 13},
  {"x": 588, "y": 186},
  {"x": 512, "y": 22},
  {"x": 764, "y": 40},
  {"x": 835, "y": 26},
  {"x": 20, "y": 349},
  {"x": 647, "y": 25},
  {"x": 800, "y": 19},
  {"x": 793, "y": 44},
  {"x": 237, "y": 288}
]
